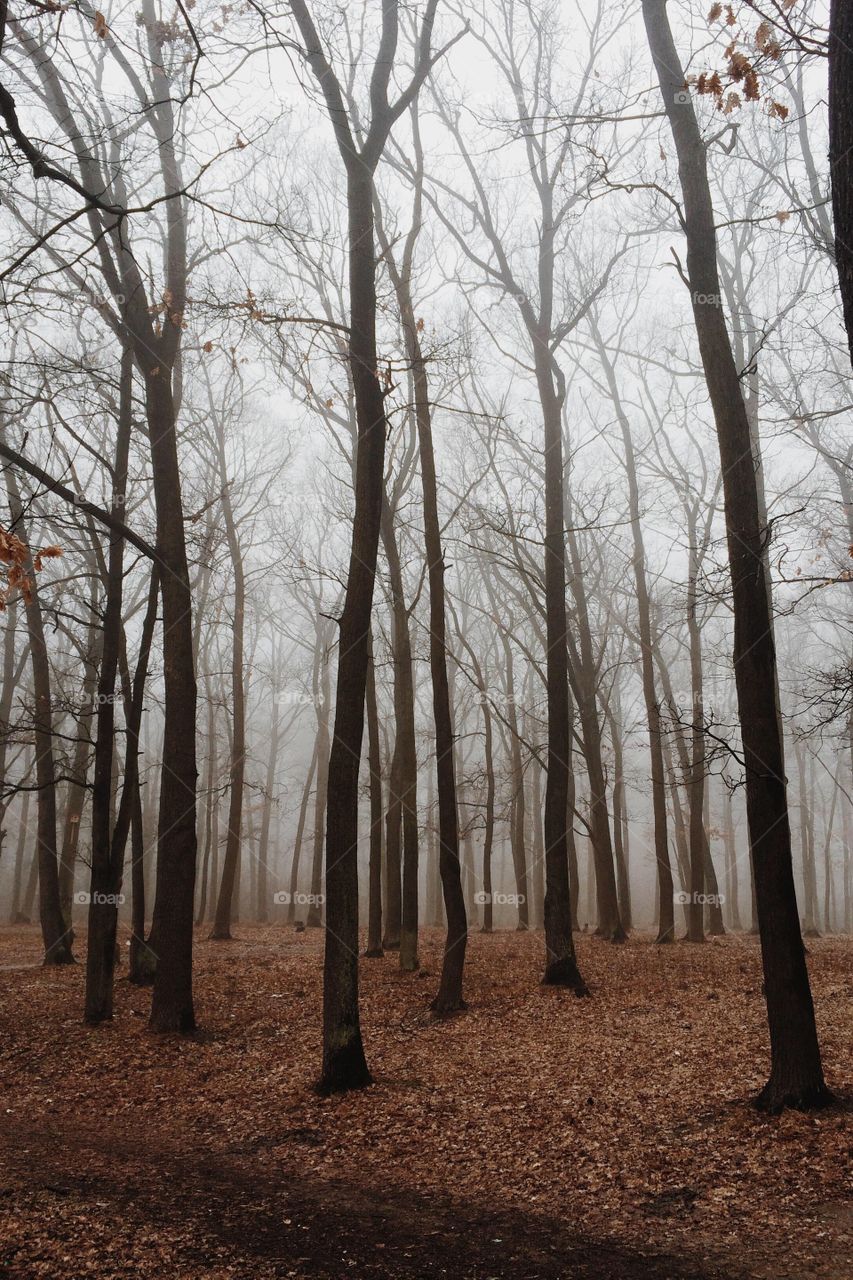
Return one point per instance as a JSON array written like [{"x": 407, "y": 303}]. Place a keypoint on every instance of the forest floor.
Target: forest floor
[{"x": 533, "y": 1136}]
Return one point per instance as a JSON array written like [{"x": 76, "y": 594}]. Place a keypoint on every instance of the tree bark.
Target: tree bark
[
  {"x": 841, "y": 150},
  {"x": 796, "y": 1076}
]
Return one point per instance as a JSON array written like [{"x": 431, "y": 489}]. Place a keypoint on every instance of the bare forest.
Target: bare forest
[{"x": 426, "y": 635}]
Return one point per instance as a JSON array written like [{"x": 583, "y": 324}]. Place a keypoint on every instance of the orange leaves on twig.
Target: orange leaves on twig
[
  {"x": 740, "y": 67},
  {"x": 13, "y": 554},
  {"x": 46, "y": 553},
  {"x": 101, "y": 28}
]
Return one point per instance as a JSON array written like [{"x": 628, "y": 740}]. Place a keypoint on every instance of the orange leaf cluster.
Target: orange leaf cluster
[
  {"x": 13, "y": 554},
  {"x": 740, "y": 69}
]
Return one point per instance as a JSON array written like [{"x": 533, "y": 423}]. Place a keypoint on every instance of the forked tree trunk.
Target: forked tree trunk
[
  {"x": 143, "y": 959},
  {"x": 344, "y": 1064},
  {"x": 106, "y": 869},
  {"x": 449, "y": 996},
  {"x": 796, "y": 1076},
  {"x": 403, "y": 801}
]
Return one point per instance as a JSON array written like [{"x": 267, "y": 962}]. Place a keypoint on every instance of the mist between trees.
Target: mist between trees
[{"x": 425, "y": 431}]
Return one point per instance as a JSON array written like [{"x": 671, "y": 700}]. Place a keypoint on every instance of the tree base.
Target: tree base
[
  {"x": 344, "y": 1068},
  {"x": 446, "y": 1006},
  {"x": 666, "y": 938},
  {"x": 373, "y": 953},
  {"x": 220, "y": 935},
  {"x": 143, "y": 966},
  {"x": 565, "y": 973},
  {"x": 57, "y": 955},
  {"x": 615, "y": 933},
  {"x": 776, "y": 1097},
  {"x": 169, "y": 1021}
]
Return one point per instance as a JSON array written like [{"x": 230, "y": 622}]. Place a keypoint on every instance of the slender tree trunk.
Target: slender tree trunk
[
  {"x": 300, "y": 833},
  {"x": 732, "y": 888},
  {"x": 262, "y": 888},
  {"x": 561, "y": 967},
  {"x": 224, "y": 904},
  {"x": 374, "y": 759},
  {"x": 666, "y": 919},
  {"x": 207, "y": 837},
  {"x": 449, "y": 996},
  {"x": 696, "y": 789},
  {"x": 143, "y": 959},
  {"x": 55, "y": 934},
  {"x": 796, "y": 1076},
  {"x": 15, "y": 914},
  {"x": 314, "y": 916},
  {"x": 841, "y": 149},
  {"x": 106, "y": 868}
]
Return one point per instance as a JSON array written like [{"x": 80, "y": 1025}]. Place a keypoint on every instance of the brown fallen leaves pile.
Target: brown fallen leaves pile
[{"x": 533, "y": 1136}]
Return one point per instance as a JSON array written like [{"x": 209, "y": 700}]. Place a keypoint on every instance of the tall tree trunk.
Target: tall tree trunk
[
  {"x": 15, "y": 914},
  {"x": 106, "y": 868},
  {"x": 314, "y": 916},
  {"x": 582, "y": 667},
  {"x": 300, "y": 833},
  {"x": 55, "y": 934},
  {"x": 561, "y": 967},
  {"x": 449, "y": 996},
  {"x": 666, "y": 918},
  {"x": 262, "y": 888},
  {"x": 841, "y": 149},
  {"x": 374, "y": 760},
  {"x": 224, "y": 903},
  {"x": 696, "y": 788},
  {"x": 207, "y": 836},
  {"x": 796, "y": 1076},
  {"x": 732, "y": 887},
  {"x": 405, "y": 745}
]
